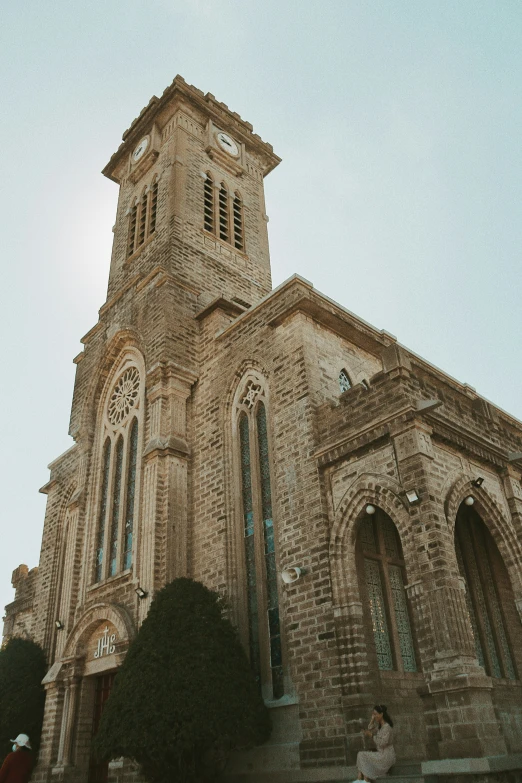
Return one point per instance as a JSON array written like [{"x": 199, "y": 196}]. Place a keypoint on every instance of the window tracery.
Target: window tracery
[
  {"x": 119, "y": 476},
  {"x": 381, "y": 563},
  {"x": 124, "y": 396},
  {"x": 262, "y": 598},
  {"x": 344, "y": 381}
]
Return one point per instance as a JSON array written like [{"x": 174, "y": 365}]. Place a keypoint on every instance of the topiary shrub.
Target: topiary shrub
[
  {"x": 185, "y": 695},
  {"x": 22, "y": 695}
]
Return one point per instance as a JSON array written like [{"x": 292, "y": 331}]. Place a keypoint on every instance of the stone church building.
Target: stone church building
[{"x": 360, "y": 510}]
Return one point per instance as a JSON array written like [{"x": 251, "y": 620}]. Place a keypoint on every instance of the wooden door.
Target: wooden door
[{"x": 98, "y": 771}]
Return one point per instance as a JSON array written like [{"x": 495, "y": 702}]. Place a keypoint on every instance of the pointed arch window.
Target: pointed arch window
[
  {"x": 262, "y": 598},
  {"x": 143, "y": 217},
  {"x": 116, "y": 502},
  {"x": 226, "y": 218},
  {"x": 344, "y": 381},
  {"x": 153, "y": 207},
  {"x": 381, "y": 569},
  {"x": 208, "y": 203},
  {"x": 237, "y": 214},
  {"x": 119, "y": 479},
  {"x": 488, "y": 593},
  {"x": 131, "y": 492},
  {"x": 223, "y": 213},
  {"x": 102, "y": 517}
]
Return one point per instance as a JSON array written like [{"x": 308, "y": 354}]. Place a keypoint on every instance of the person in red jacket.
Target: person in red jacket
[{"x": 18, "y": 765}]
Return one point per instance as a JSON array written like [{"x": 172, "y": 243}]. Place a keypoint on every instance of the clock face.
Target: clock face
[
  {"x": 227, "y": 144},
  {"x": 140, "y": 150}
]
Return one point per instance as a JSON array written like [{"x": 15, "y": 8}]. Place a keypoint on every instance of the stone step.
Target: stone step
[
  {"x": 405, "y": 768},
  {"x": 407, "y": 779}
]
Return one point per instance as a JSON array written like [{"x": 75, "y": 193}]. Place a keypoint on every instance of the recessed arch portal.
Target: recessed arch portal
[{"x": 489, "y": 595}]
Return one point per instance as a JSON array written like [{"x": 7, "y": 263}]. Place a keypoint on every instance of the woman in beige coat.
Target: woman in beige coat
[{"x": 371, "y": 765}]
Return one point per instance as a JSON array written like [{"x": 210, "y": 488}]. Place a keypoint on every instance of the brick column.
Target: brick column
[
  {"x": 164, "y": 492},
  {"x": 68, "y": 721},
  {"x": 357, "y": 698},
  {"x": 456, "y": 685},
  {"x": 513, "y": 490},
  {"x": 53, "y": 711}
]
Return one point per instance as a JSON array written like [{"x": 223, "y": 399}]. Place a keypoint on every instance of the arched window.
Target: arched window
[
  {"x": 133, "y": 220},
  {"x": 488, "y": 592},
  {"x": 102, "y": 516},
  {"x": 153, "y": 207},
  {"x": 131, "y": 492},
  {"x": 116, "y": 502},
  {"x": 223, "y": 213},
  {"x": 381, "y": 568},
  {"x": 143, "y": 218},
  {"x": 237, "y": 210},
  {"x": 118, "y": 482},
  {"x": 208, "y": 204},
  {"x": 142, "y": 222},
  {"x": 262, "y": 599},
  {"x": 344, "y": 381}
]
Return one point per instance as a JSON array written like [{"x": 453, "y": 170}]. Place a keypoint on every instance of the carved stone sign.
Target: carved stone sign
[
  {"x": 106, "y": 644},
  {"x": 102, "y": 642}
]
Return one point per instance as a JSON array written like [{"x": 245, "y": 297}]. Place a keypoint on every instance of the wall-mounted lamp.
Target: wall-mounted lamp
[
  {"x": 370, "y": 509},
  {"x": 292, "y": 574},
  {"x": 140, "y": 592},
  {"x": 59, "y": 625},
  {"x": 365, "y": 384},
  {"x": 469, "y": 500},
  {"x": 412, "y": 496},
  {"x": 478, "y": 482}
]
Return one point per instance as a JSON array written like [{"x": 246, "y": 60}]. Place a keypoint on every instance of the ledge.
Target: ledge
[{"x": 472, "y": 765}]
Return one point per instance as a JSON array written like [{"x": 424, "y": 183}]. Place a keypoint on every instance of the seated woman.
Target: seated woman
[{"x": 371, "y": 765}]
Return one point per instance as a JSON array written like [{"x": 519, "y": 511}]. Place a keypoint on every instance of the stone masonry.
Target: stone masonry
[{"x": 191, "y": 327}]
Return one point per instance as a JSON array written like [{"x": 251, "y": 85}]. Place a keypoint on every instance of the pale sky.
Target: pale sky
[{"x": 400, "y": 127}]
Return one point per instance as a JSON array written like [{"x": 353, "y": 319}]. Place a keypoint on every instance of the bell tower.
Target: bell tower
[{"x": 191, "y": 198}]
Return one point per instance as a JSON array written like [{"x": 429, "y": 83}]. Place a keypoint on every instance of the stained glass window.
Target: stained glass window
[
  {"x": 378, "y": 613},
  {"x": 379, "y": 542},
  {"x": 250, "y": 552},
  {"x": 402, "y": 619},
  {"x": 264, "y": 624},
  {"x": 344, "y": 381},
  {"x": 103, "y": 510},
  {"x": 131, "y": 491},
  {"x": 115, "y": 518},
  {"x": 475, "y": 556},
  {"x": 276, "y": 662}
]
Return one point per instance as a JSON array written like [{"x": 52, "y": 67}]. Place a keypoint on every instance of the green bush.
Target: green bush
[
  {"x": 22, "y": 696},
  {"x": 185, "y": 695}
]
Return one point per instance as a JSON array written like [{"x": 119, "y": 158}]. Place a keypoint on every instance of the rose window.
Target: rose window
[{"x": 123, "y": 398}]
